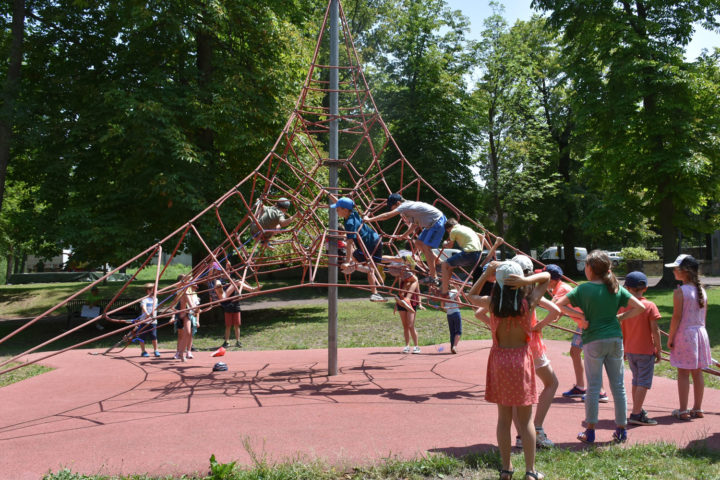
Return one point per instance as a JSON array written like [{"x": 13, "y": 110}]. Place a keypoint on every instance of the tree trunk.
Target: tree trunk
[
  {"x": 11, "y": 90},
  {"x": 666, "y": 212},
  {"x": 9, "y": 267}
]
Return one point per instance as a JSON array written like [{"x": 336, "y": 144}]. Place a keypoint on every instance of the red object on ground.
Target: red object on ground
[
  {"x": 124, "y": 414},
  {"x": 219, "y": 352}
]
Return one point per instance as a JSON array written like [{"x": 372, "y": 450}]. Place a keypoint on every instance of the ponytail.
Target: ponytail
[
  {"x": 694, "y": 278},
  {"x": 611, "y": 282}
]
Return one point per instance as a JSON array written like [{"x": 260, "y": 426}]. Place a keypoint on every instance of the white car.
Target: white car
[{"x": 615, "y": 258}]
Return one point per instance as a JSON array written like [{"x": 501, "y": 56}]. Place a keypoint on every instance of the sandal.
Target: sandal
[
  {"x": 697, "y": 413},
  {"x": 536, "y": 475},
  {"x": 506, "y": 474},
  {"x": 588, "y": 436},
  {"x": 683, "y": 415}
]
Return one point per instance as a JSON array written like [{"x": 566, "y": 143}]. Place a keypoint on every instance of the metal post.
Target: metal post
[{"x": 333, "y": 152}]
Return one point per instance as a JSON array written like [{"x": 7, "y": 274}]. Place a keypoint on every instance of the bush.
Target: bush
[{"x": 638, "y": 253}]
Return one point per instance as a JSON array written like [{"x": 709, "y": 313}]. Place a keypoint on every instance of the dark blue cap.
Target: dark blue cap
[
  {"x": 555, "y": 271},
  {"x": 393, "y": 199},
  {"x": 636, "y": 280}
]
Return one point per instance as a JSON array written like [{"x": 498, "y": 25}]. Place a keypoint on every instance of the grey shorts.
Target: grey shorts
[{"x": 642, "y": 367}]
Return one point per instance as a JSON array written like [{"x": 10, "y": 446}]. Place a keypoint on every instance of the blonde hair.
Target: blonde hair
[
  {"x": 600, "y": 264},
  {"x": 149, "y": 286}
]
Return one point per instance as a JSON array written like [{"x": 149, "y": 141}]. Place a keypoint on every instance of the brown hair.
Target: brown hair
[
  {"x": 149, "y": 286},
  {"x": 600, "y": 264},
  {"x": 450, "y": 223},
  {"x": 694, "y": 278}
]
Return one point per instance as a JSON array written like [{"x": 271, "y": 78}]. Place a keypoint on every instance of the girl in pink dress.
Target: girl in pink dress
[
  {"x": 510, "y": 381},
  {"x": 688, "y": 339}
]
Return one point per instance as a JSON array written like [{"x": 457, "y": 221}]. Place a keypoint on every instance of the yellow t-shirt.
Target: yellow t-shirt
[{"x": 466, "y": 238}]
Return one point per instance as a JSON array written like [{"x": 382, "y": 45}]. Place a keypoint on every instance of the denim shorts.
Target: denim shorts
[
  {"x": 577, "y": 339},
  {"x": 642, "y": 367},
  {"x": 464, "y": 259},
  {"x": 433, "y": 236}
]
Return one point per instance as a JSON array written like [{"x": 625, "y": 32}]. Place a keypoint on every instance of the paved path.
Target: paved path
[{"x": 125, "y": 414}]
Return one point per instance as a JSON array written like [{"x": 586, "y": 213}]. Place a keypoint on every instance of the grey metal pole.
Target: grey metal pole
[{"x": 333, "y": 174}]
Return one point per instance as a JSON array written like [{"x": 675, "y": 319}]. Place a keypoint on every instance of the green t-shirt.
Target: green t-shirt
[{"x": 600, "y": 308}]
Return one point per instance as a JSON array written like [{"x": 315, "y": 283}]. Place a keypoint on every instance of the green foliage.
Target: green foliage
[
  {"x": 638, "y": 253},
  {"x": 220, "y": 471}
]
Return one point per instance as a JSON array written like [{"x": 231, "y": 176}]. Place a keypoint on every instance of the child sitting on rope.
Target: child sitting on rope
[
  {"x": 362, "y": 235},
  {"x": 269, "y": 219}
]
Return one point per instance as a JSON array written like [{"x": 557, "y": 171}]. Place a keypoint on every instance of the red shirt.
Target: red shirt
[{"x": 637, "y": 334}]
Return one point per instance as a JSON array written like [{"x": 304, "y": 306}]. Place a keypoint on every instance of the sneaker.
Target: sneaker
[
  {"x": 603, "y": 398},
  {"x": 620, "y": 435},
  {"x": 190, "y": 355},
  {"x": 453, "y": 349},
  {"x": 588, "y": 436},
  {"x": 144, "y": 354},
  {"x": 225, "y": 344},
  {"x": 429, "y": 281},
  {"x": 574, "y": 392},
  {"x": 238, "y": 344},
  {"x": 176, "y": 356},
  {"x": 156, "y": 353},
  {"x": 416, "y": 350},
  {"x": 518, "y": 442},
  {"x": 542, "y": 441},
  {"x": 641, "y": 419},
  {"x": 406, "y": 349},
  {"x": 377, "y": 298}
]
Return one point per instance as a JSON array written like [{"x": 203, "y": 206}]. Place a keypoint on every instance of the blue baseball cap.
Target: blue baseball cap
[
  {"x": 393, "y": 199},
  {"x": 344, "y": 202},
  {"x": 636, "y": 280},
  {"x": 554, "y": 270}
]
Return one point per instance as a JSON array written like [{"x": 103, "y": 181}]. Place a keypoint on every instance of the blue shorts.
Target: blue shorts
[
  {"x": 642, "y": 367},
  {"x": 375, "y": 250},
  {"x": 147, "y": 332},
  {"x": 577, "y": 339},
  {"x": 433, "y": 236},
  {"x": 464, "y": 259}
]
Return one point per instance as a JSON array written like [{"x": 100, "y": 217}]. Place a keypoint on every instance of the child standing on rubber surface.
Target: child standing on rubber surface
[
  {"x": 510, "y": 381},
  {"x": 641, "y": 340},
  {"x": 688, "y": 339},
  {"x": 600, "y": 299},
  {"x": 454, "y": 319},
  {"x": 148, "y": 330}
]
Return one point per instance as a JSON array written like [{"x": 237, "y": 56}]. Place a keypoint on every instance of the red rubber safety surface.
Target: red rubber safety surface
[{"x": 126, "y": 414}]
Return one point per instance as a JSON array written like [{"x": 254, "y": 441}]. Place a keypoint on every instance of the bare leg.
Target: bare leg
[
  {"x": 545, "y": 399},
  {"x": 406, "y": 330},
  {"x": 575, "y": 354},
  {"x": 227, "y": 333},
  {"x": 505, "y": 415},
  {"x": 237, "y": 332},
  {"x": 698, "y": 388},
  {"x": 446, "y": 270},
  {"x": 527, "y": 434},
  {"x": 410, "y": 319},
  {"x": 430, "y": 258},
  {"x": 638, "y": 396},
  {"x": 683, "y": 383}
]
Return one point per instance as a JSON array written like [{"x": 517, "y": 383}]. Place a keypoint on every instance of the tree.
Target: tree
[
  {"x": 515, "y": 148},
  {"x": 418, "y": 81},
  {"x": 638, "y": 104}
]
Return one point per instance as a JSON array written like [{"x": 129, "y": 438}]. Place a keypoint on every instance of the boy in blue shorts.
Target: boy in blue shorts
[
  {"x": 419, "y": 215},
  {"x": 360, "y": 234},
  {"x": 641, "y": 341}
]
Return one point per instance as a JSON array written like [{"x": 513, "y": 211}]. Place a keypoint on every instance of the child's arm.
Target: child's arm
[
  {"x": 577, "y": 317},
  {"x": 482, "y": 315},
  {"x": 473, "y": 293},
  {"x": 636, "y": 308},
  {"x": 491, "y": 254},
  {"x": 553, "y": 315},
  {"x": 655, "y": 331},
  {"x": 676, "y": 316}
]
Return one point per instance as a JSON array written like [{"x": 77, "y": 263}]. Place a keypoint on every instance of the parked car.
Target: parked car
[
  {"x": 550, "y": 255},
  {"x": 615, "y": 258}
]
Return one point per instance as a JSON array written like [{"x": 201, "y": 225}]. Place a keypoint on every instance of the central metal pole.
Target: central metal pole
[{"x": 333, "y": 174}]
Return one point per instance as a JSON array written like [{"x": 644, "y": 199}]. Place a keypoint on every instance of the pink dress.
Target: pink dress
[
  {"x": 691, "y": 349},
  {"x": 510, "y": 379}
]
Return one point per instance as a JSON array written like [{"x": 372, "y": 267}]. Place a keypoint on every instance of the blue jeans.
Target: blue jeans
[{"x": 607, "y": 352}]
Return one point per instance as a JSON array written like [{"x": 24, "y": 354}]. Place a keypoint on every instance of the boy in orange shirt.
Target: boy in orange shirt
[{"x": 641, "y": 340}]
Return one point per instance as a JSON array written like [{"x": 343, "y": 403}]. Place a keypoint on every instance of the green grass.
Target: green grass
[{"x": 638, "y": 462}]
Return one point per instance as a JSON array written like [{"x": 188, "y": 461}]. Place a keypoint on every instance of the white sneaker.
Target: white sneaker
[
  {"x": 541, "y": 440},
  {"x": 406, "y": 349},
  {"x": 189, "y": 355},
  {"x": 377, "y": 298},
  {"x": 416, "y": 350},
  {"x": 453, "y": 349}
]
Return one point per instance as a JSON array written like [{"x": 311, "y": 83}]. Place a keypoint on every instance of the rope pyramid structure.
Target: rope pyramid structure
[{"x": 240, "y": 252}]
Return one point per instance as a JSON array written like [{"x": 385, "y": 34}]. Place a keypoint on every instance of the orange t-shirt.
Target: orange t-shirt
[{"x": 637, "y": 335}]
